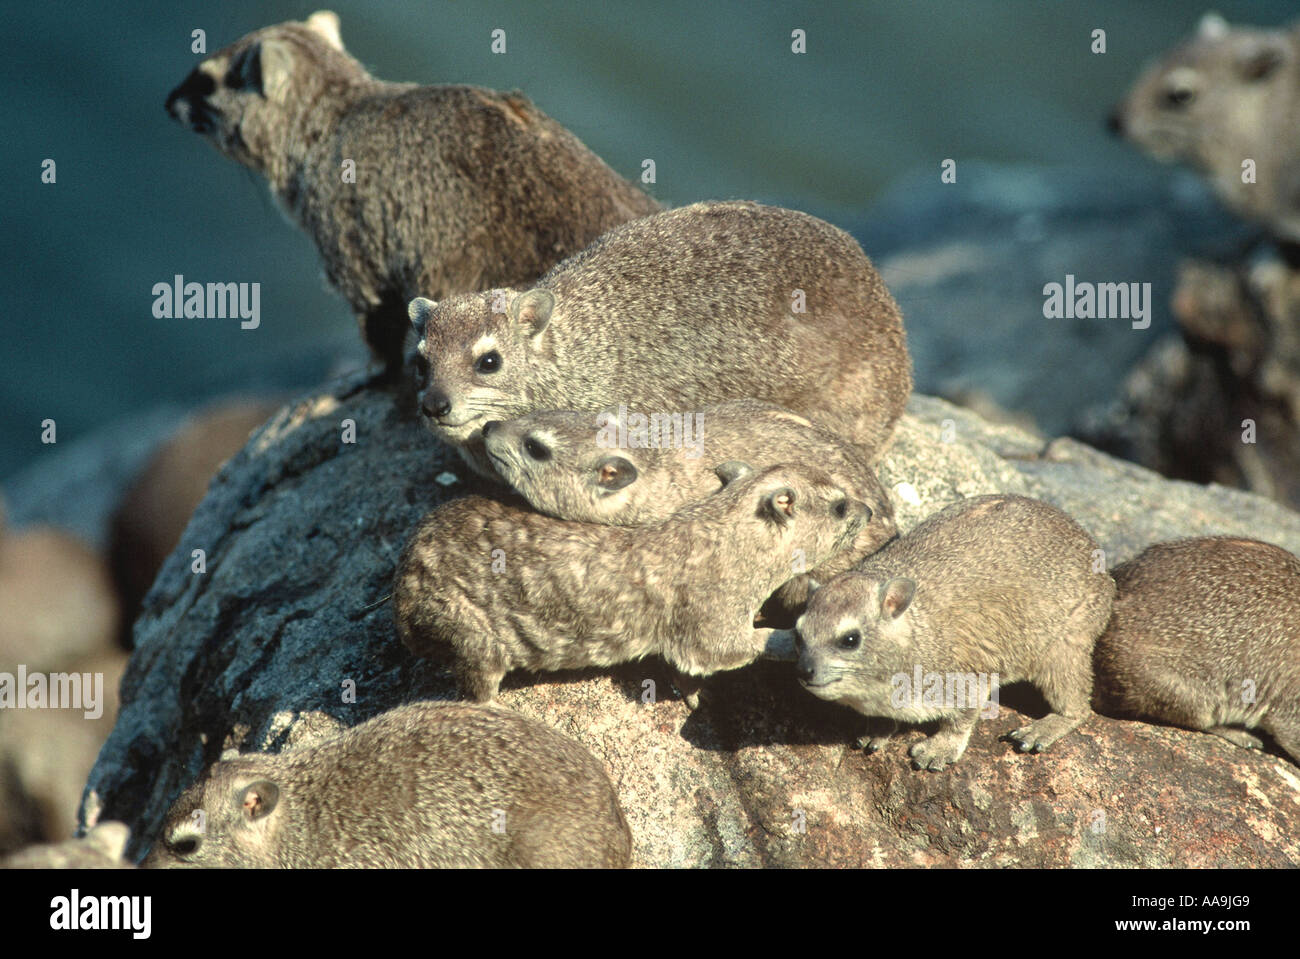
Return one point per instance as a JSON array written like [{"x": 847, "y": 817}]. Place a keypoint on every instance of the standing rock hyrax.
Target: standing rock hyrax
[
  {"x": 1228, "y": 95},
  {"x": 101, "y": 848},
  {"x": 426, "y": 785},
  {"x": 508, "y": 588},
  {"x": 1206, "y": 635},
  {"x": 683, "y": 309},
  {"x": 991, "y": 590},
  {"x": 406, "y": 190},
  {"x": 630, "y": 469}
]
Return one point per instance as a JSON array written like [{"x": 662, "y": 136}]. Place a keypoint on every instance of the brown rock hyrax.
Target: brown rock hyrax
[
  {"x": 1206, "y": 635},
  {"x": 101, "y": 848},
  {"x": 406, "y": 190},
  {"x": 426, "y": 785},
  {"x": 683, "y": 309},
  {"x": 630, "y": 468},
  {"x": 154, "y": 510},
  {"x": 991, "y": 590},
  {"x": 1227, "y": 96},
  {"x": 507, "y": 588}
]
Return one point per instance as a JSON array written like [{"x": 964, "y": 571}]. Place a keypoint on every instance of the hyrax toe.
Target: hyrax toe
[
  {"x": 938, "y": 751},
  {"x": 876, "y": 734},
  {"x": 1041, "y": 733}
]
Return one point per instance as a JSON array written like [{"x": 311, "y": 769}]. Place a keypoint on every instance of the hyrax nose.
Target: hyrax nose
[
  {"x": 1115, "y": 122},
  {"x": 490, "y": 427},
  {"x": 435, "y": 405},
  {"x": 805, "y": 670}
]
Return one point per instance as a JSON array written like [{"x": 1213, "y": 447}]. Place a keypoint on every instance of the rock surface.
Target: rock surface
[{"x": 301, "y": 532}]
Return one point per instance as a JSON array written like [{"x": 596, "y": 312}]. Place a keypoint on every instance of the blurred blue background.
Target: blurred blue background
[{"x": 710, "y": 91}]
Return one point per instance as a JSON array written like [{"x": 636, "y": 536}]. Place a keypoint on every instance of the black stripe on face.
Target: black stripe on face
[{"x": 195, "y": 88}]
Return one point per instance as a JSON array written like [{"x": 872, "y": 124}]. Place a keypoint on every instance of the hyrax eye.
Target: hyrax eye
[
  {"x": 841, "y": 508},
  {"x": 850, "y": 640},
  {"x": 1179, "y": 97},
  {"x": 186, "y": 847},
  {"x": 488, "y": 362},
  {"x": 536, "y": 450}
]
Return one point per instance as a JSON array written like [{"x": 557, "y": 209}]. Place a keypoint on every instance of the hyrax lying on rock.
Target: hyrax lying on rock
[
  {"x": 507, "y": 588},
  {"x": 1228, "y": 95},
  {"x": 101, "y": 848},
  {"x": 1206, "y": 635},
  {"x": 991, "y": 590},
  {"x": 630, "y": 469},
  {"x": 683, "y": 309},
  {"x": 406, "y": 190},
  {"x": 426, "y": 785}
]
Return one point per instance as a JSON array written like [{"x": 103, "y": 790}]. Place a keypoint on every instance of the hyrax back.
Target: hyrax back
[
  {"x": 406, "y": 190},
  {"x": 683, "y": 309},
  {"x": 101, "y": 848},
  {"x": 506, "y": 588},
  {"x": 1227, "y": 95},
  {"x": 1206, "y": 635},
  {"x": 426, "y": 785},
  {"x": 993, "y": 589},
  {"x": 633, "y": 468}
]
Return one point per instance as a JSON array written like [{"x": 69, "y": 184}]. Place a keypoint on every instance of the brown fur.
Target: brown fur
[
  {"x": 991, "y": 585},
  {"x": 1206, "y": 635},
  {"x": 457, "y": 188}
]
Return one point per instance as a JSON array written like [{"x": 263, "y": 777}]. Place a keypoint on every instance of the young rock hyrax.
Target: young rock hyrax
[
  {"x": 101, "y": 848},
  {"x": 1227, "y": 96},
  {"x": 406, "y": 190},
  {"x": 1206, "y": 635},
  {"x": 683, "y": 309},
  {"x": 507, "y": 588},
  {"x": 426, "y": 785},
  {"x": 630, "y": 469},
  {"x": 991, "y": 590}
]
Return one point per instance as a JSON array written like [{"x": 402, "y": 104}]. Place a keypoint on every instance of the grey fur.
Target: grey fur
[
  {"x": 991, "y": 585},
  {"x": 420, "y": 786},
  {"x": 573, "y": 595},
  {"x": 1226, "y": 95},
  {"x": 1201, "y": 628},
  {"x": 675, "y": 311},
  {"x": 457, "y": 188},
  {"x": 562, "y": 464},
  {"x": 100, "y": 848}
]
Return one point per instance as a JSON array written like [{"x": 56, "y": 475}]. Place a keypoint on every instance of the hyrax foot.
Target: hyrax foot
[
  {"x": 1240, "y": 737},
  {"x": 876, "y": 734},
  {"x": 478, "y": 684},
  {"x": 689, "y": 687},
  {"x": 1041, "y": 733},
  {"x": 940, "y": 750}
]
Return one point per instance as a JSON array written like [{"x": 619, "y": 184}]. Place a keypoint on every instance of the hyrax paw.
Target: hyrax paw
[
  {"x": 877, "y": 733},
  {"x": 870, "y": 743},
  {"x": 1041, "y": 733},
  {"x": 1240, "y": 737},
  {"x": 938, "y": 751}
]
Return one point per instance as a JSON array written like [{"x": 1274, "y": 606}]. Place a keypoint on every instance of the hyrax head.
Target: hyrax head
[
  {"x": 476, "y": 353},
  {"x": 230, "y": 817},
  {"x": 243, "y": 96},
  {"x": 1207, "y": 95},
  {"x": 855, "y": 635}
]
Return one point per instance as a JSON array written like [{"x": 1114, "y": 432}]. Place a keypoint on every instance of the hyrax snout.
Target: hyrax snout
[
  {"x": 682, "y": 309},
  {"x": 426, "y": 785},
  {"x": 631, "y": 468},
  {"x": 503, "y": 587},
  {"x": 1206, "y": 635},
  {"x": 991, "y": 590}
]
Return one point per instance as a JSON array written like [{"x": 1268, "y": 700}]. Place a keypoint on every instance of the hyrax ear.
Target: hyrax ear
[
  {"x": 532, "y": 308},
  {"x": 259, "y": 799},
  {"x": 419, "y": 310},
  {"x": 778, "y": 506},
  {"x": 895, "y": 596},
  {"x": 276, "y": 65},
  {"x": 1212, "y": 27},
  {"x": 326, "y": 23},
  {"x": 732, "y": 470},
  {"x": 1261, "y": 61},
  {"x": 614, "y": 473}
]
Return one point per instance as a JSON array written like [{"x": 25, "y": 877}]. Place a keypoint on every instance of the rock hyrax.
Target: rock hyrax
[
  {"x": 1206, "y": 635},
  {"x": 426, "y": 785},
  {"x": 991, "y": 590},
  {"x": 507, "y": 588},
  {"x": 406, "y": 190},
  {"x": 1227, "y": 95},
  {"x": 630, "y": 469},
  {"x": 683, "y": 309},
  {"x": 101, "y": 848}
]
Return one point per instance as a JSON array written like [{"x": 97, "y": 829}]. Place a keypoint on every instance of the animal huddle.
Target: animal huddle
[{"x": 681, "y": 410}]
